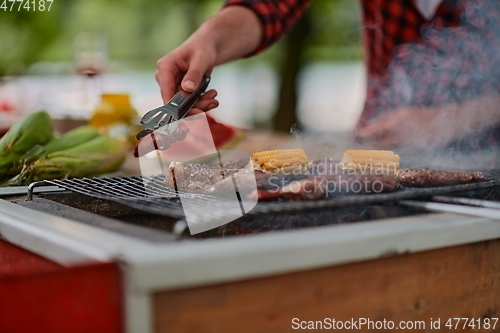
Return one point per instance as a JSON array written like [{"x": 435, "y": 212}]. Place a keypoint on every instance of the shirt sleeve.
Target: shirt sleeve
[{"x": 277, "y": 16}]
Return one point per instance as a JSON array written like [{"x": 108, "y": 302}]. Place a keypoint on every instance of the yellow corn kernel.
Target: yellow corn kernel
[
  {"x": 279, "y": 160},
  {"x": 379, "y": 161},
  {"x": 370, "y": 154}
]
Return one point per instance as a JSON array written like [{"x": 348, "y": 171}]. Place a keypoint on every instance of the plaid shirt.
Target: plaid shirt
[
  {"x": 413, "y": 61},
  {"x": 276, "y": 17}
]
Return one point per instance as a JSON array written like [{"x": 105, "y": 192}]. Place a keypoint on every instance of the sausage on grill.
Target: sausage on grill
[{"x": 424, "y": 177}]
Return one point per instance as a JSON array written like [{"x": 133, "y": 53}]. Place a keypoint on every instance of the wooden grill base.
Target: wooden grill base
[{"x": 460, "y": 281}]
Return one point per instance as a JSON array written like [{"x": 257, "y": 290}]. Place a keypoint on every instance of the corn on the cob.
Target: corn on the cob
[
  {"x": 281, "y": 160},
  {"x": 71, "y": 138},
  {"x": 34, "y": 129},
  {"x": 379, "y": 161},
  {"x": 99, "y": 155},
  {"x": 9, "y": 165}
]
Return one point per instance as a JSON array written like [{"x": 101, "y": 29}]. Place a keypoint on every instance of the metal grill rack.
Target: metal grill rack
[{"x": 158, "y": 199}]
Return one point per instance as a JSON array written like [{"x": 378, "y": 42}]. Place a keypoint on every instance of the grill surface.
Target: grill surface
[{"x": 161, "y": 200}]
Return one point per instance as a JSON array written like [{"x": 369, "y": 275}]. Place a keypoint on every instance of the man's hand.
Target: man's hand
[
  {"x": 424, "y": 128},
  {"x": 185, "y": 67},
  {"x": 410, "y": 127},
  {"x": 233, "y": 33}
]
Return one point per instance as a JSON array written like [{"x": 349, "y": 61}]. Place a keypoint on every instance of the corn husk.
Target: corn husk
[
  {"x": 97, "y": 156},
  {"x": 71, "y": 139},
  {"x": 34, "y": 129}
]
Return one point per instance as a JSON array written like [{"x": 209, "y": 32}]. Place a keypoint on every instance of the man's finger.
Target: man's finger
[
  {"x": 168, "y": 88},
  {"x": 207, "y": 105},
  {"x": 207, "y": 101},
  {"x": 167, "y": 78},
  {"x": 211, "y": 94},
  {"x": 198, "y": 67}
]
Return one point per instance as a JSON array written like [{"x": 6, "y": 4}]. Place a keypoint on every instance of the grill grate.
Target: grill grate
[{"x": 159, "y": 199}]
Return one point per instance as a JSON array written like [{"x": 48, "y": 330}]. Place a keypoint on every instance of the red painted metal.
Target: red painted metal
[
  {"x": 15, "y": 260},
  {"x": 37, "y": 295}
]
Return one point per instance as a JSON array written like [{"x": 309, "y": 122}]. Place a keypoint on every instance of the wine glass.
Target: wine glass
[{"x": 90, "y": 61}]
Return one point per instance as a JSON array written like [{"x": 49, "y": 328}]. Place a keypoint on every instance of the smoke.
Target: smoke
[
  {"x": 449, "y": 66},
  {"x": 446, "y": 68}
]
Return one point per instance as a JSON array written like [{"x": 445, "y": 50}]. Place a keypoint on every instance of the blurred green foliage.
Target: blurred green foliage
[
  {"x": 140, "y": 32},
  {"x": 335, "y": 31}
]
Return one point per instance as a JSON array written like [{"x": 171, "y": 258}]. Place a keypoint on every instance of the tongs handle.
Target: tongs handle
[
  {"x": 174, "y": 110},
  {"x": 184, "y": 100}
]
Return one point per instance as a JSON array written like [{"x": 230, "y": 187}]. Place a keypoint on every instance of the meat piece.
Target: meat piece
[
  {"x": 325, "y": 166},
  {"x": 238, "y": 164},
  {"x": 315, "y": 187},
  {"x": 308, "y": 189},
  {"x": 192, "y": 177},
  {"x": 161, "y": 139},
  {"x": 426, "y": 177},
  {"x": 200, "y": 178},
  {"x": 264, "y": 195},
  {"x": 245, "y": 181}
]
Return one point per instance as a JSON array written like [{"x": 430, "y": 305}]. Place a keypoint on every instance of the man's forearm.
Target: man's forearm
[{"x": 236, "y": 32}]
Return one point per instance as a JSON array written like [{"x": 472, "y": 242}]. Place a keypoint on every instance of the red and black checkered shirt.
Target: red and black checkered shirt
[{"x": 412, "y": 60}]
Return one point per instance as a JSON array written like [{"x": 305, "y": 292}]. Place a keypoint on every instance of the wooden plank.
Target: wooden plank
[{"x": 460, "y": 281}]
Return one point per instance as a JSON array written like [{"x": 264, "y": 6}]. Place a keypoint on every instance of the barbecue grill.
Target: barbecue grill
[
  {"x": 150, "y": 195},
  {"x": 116, "y": 218}
]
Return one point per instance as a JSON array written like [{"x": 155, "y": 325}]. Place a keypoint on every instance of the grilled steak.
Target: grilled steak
[
  {"x": 315, "y": 187},
  {"x": 424, "y": 177}
]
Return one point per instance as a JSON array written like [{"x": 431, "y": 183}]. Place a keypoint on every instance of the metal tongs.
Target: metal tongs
[{"x": 165, "y": 118}]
